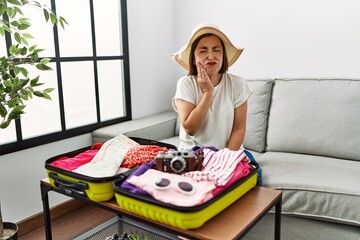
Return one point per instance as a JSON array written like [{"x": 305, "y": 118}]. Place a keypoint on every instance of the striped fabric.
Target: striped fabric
[{"x": 218, "y": 166}]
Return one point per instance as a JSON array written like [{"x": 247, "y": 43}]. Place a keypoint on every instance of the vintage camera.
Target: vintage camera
[{"x": 176, "y": 161}]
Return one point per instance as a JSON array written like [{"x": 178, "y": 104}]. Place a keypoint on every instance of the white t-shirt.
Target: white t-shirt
[{"x": 230, "y": 93}]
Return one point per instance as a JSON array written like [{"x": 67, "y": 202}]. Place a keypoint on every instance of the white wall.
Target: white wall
[
  {"x": 20, "y": 175},
  {"x": 281, "y": 39},
  {"x": 151, "y": 42}
]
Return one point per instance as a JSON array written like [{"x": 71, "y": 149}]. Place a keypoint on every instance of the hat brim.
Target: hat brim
[{"x": 183, "y": 54}]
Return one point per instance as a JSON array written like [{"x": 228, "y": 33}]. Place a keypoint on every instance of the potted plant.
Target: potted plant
[
  {"x": 7, "y": 230},
  {"x": 16, "y": 87}
]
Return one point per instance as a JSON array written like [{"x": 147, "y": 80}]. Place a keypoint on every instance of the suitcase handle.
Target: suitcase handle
[{"x": 69, "y": 186}]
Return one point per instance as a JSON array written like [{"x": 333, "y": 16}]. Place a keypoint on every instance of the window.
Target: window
[{"x": 90, "y": 76}]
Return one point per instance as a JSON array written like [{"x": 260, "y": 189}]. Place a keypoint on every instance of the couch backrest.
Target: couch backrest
[{"x": 315, "y": 116}]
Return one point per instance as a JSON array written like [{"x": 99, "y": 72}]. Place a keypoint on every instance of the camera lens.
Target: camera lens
[{"x": 178, "y": 164}]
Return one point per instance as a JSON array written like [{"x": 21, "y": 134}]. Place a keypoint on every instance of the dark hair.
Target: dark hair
[{"x": 192, "y": 66}]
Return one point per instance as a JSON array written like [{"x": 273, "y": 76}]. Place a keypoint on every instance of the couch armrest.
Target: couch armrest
[{"x": 154, "y": 127}]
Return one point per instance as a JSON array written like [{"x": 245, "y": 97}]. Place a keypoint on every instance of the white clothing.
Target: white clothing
[
  {"x": 108, "y": 159},
  {"x": 230, "y": 93}
]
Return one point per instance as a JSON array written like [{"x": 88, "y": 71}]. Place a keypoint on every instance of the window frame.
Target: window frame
[{"x": 22, "y": 144}]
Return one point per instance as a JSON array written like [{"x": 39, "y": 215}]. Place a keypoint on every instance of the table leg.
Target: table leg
[
  {"x": 46, "y": 210},
  {"x": 278, "y": 219}
]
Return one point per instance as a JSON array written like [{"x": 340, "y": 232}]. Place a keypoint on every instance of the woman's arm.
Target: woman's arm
[
  {"x": 239, "y": 127},
  {"x": 191, "y": 116}
]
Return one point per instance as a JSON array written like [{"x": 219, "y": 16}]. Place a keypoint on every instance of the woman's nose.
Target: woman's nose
[{"x": 210, "y": 55}]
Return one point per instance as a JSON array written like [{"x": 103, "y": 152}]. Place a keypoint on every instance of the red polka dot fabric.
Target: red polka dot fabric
[{"x": 141, "y": 154}]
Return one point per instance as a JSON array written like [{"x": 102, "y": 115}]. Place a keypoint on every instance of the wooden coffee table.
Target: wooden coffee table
[{"x": 232, "y": 223}]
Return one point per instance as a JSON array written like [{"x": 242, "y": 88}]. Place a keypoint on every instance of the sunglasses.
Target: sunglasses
[{"x": 182, "y": 186}]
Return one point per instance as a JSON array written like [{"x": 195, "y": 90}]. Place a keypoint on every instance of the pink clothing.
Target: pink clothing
[
  {"x": 218, "y": 166},
  {"x": 73, "y": 163},
  {"x": 173, "y": 194},
  {"x": 242, "y": 170}
]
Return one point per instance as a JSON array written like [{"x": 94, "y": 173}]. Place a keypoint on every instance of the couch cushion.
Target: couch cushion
[
  {"x": 257, "y": 116},
  {"x": 314, "y": 186},
  {"x": 315, "y": 116}
]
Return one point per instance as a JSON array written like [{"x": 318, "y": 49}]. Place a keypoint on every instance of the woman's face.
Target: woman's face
[{"x": 209, "y": 53}]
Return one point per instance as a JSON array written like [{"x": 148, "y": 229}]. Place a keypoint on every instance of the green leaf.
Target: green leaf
[
  {"x": 8, "y": 83},
  {"x": 2, "y": 9},
  {"x": 46, "y": 96},
  {"x": 62, "y": 24},
  {"x": 3, "y": 111},
  {"x": 17, "y": 9},
  {"x": 10, "y": 12},
  {"x": 14, "y": 23},
  {"x": 17, "y": 37},
  {"x": 24, "y": 41},
  {"x": 15, "y": 114},
  {"x": 23, "y": 26},
  {"x": 18, "y": 108},
  {"x": 17, "y": 84},
  {"x": 48, "y": 90},
  {"x": 13, "y": 102},
  {"x": 15, "y": 2},
  {"x": 6, "y": 28},
  {"x": 16, "y": 70},
  {"x": 28, "y": 36},
  {"x": 43, "y": 67},
  {"x": 62, "y": 21},
  {"x": 24, "y": 81},
  {"x": 45, "y": 60},
  {"x": 5, "y": 124},
  {"x": 38, "y": 50},
  {"x": 24, "y": 20},
  {"x": 32, "y": 48},
  {"x": 23, "y": 51},
  {"x": 24, "y": 72},
  {"x": 46, "y": 14},
  {"x": 12, "y": 49},
  {"x": 38, "y": 94},
  {"x": 53, "y": 18},
  {"x": 34, "y": 81},
  {"x": 24, "y": 96},
  {"x": 34, "y": 57}
]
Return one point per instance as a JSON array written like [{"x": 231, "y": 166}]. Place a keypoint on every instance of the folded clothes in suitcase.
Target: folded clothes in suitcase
[
  {"x": 183, "y": 217},
  {"x": 97, "y": 189}
]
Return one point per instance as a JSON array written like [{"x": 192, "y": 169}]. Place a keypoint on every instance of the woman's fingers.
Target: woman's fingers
[{"x": 202, "y": 72}]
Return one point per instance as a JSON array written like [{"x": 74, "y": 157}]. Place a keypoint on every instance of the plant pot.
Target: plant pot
[{"x": 10, "y": 231}]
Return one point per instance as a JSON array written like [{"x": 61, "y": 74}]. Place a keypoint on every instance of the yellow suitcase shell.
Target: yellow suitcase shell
[
  {"x": 96, "y": 189},
  {"x": 182, "y": 217}
]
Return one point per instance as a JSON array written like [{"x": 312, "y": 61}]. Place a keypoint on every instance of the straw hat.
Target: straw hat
[{"x": 232, "y": 52}]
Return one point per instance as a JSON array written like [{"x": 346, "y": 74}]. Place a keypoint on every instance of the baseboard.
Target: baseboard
[{"x": 56, "y": 212}]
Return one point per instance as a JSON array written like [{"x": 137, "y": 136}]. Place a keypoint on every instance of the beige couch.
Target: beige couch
[{"x": 305, "y": 134}]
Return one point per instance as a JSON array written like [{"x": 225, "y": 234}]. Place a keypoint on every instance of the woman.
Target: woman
[{"x": 211, "y": 103}]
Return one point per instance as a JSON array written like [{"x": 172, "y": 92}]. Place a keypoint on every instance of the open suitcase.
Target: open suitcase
[
  {"x": 183, "y": 217},
  {"x": 96, "y": 189}
]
